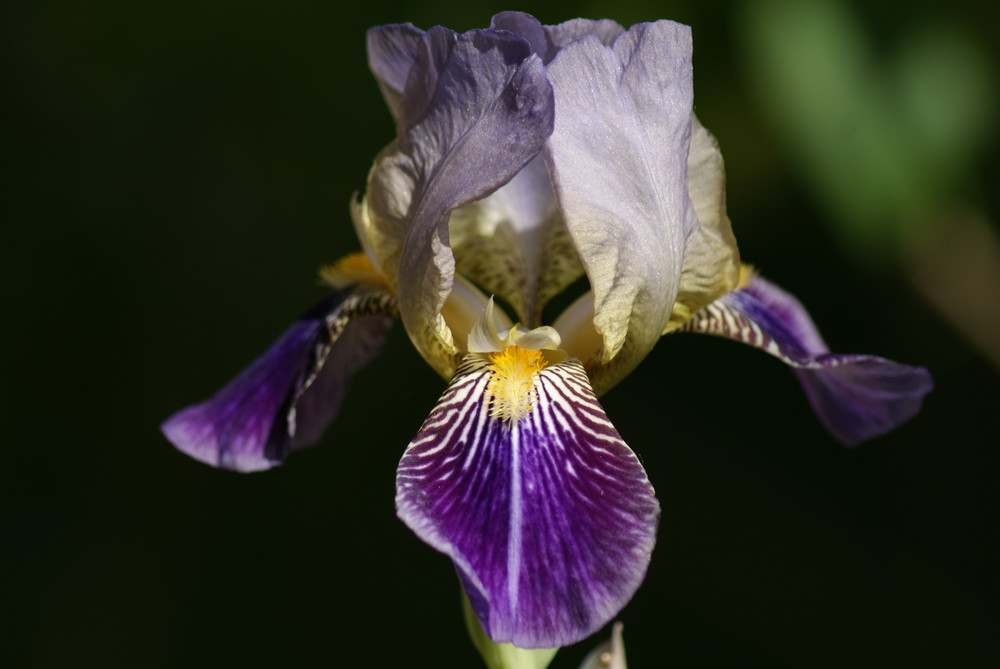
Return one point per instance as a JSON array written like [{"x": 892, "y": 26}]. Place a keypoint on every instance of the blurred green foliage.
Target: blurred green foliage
[{"x": 886, "y": 137}]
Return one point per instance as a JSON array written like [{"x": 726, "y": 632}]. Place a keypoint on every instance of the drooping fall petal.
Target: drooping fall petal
[
  {"x": 546, "y": 513},
  {"x": 287, "y": 397},
  {"x": 855, "y": 397}
]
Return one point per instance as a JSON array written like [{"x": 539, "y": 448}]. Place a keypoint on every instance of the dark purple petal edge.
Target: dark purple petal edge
[{"x": 855, "y": 397}]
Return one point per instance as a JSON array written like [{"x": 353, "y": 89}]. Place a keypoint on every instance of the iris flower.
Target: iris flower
[{"x": 527, "y": 157}]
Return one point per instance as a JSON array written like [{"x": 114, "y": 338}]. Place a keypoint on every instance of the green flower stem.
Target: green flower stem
[{"x": 503, "y": 655}]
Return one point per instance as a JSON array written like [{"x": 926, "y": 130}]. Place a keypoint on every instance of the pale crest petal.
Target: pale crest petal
[
  {"x": 463, "y": 313},
  {"x": 537, "y": 339},
  {"x": 576, "y": 327},
  {"x": 621, "y": 179},
  {"x": 487, "y": 338},
  {"x": 484, "y": 337}
]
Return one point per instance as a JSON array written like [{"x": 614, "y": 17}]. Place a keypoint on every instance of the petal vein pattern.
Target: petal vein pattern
[{"x": 549, "y": 519}]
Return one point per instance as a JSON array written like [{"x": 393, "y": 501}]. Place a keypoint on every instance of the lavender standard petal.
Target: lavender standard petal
[
  {"x": 490, "y": 113},
  {"x": 392, "y": 51},
  {"x": 546, "y": 41},
  {"x": 711, "y": 259},
  {"x": 855, "y": 397},
  {"x": 620, "y": 177},
  {"x": 434, "y": 54},
  {"x": 288, "y": 396},
  {"x": 550, "y": 521}
]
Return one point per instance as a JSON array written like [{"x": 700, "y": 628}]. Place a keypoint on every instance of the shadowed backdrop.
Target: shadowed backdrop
[{"x": 176, "y": 174}]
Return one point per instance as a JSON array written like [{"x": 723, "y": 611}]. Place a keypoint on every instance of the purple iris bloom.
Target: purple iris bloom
[{"x": 527, "y": 157}]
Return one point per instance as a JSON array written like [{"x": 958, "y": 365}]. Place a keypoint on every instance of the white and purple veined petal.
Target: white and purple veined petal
[
  {"x": 856, "y": 397},
  {"x": 289, "y": 395},
  {"x": 547, "y": 514}
]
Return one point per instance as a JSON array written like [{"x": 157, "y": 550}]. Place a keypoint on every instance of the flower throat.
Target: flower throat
[{"x": 511, "y": 390}]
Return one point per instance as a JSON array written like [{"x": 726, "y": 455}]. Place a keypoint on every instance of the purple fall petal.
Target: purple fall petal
[
  {"x": 286, "y": 398},
  {"x": 788, "y": 314},
  {"x": 855, "y": 397},
  {"x": 550, "y": 521}
]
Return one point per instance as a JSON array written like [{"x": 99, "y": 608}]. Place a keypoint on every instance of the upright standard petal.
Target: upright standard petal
[
  {"x": 486, "y": 116},
  {"x": 287, "y": 397},
  {"x": 711, "y": 260},
  {"x": 855, "y": 397},
  {"x": 518, "y": 476},
  {"x": 392, "y": 51},
  {"x": 546, "y": 41},
  {"x": 621, "y": 180}
]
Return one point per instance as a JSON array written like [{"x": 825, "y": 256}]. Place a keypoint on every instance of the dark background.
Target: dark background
[{"x": 176, "y": 173}]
